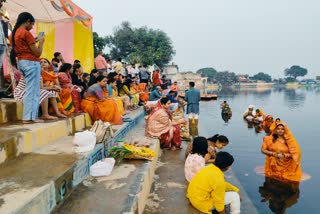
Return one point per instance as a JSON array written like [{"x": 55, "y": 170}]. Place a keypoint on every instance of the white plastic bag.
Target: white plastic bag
[
  {"x": 84, "y": 141},
  {"x": 103, "y": 167}
]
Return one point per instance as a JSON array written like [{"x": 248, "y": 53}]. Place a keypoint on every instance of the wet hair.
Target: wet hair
[
  {"x": 223, "y": 160},
  {"x": 111, "y": 80},
  {"x": 75, "y": 67},
  {"x": 191, "y": 84},
  {"x": 199, "y": 146},
  {"x": 56, "y": 54},
  {"x": 100, "y": 78},
  {"x": 22, "y": 18},
  {"x": 222, "y": 139},
  {"x": 164, "y": 100},
  {"x": 64, "y": 67}
]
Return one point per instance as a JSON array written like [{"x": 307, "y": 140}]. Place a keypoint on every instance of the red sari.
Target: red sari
[
  {"x": 159, "y": 124},
  {"x": 69, "y": 92}
]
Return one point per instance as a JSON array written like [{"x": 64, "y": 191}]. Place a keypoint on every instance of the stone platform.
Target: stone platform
[
  {"x": 125, "y": 191},
  {"x": 39, "y": 169},
  {"x": 168, "y": 193}
]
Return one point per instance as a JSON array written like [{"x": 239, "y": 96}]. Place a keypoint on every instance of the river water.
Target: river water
[{"x": 299, "y": 109}]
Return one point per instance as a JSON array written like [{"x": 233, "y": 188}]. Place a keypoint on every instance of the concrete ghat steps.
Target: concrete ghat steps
[
  {"x": 10, "y": 110},
  {"x": 125, "y": 191},
  {"x": 36, "y": 182},
  {"x": 16, "y": 139}
]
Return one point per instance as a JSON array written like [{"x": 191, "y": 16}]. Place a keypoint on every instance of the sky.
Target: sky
[{"x": 240, "y": 36}]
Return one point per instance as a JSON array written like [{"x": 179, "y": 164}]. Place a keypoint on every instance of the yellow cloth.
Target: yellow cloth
[
  {"x": 125, "y": 91},
  {"x": 118, "y": 101},
  {"x": 207, "y": 189}
]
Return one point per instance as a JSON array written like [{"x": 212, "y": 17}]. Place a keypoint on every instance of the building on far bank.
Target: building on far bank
[
  {"x": 183, "y": 78},
  {"x": 170, "y": 70}
]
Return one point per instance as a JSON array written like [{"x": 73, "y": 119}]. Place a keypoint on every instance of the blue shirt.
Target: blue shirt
[
  {"x": 155, "y": 95},
  {"x": 172, "y": 98},
  {"x": 193, "y": 96}
]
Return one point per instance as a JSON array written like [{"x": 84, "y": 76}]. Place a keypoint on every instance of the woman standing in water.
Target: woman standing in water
[{"x": 283, "y": 155}]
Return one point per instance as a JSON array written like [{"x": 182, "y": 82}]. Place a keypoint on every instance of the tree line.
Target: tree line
[
  {"x": 136, "y": 45},
  {"x": 228, "y": 78},
  {"x": 148, "y": 46}
]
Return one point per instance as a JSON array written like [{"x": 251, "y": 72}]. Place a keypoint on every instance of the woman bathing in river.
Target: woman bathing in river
[{"x": 283, "y": 155}]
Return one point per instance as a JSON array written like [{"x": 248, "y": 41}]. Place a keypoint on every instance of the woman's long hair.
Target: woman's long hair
[{"x": 22, "y": 18}]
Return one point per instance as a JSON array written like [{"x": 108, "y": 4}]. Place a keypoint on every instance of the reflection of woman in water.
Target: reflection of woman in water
[
  {"x": 279, "y": 195},
  {"x": 283, "y": 155}
]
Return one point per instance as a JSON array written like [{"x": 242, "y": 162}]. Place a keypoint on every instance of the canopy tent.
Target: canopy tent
[{"x": 67, "y": 28}]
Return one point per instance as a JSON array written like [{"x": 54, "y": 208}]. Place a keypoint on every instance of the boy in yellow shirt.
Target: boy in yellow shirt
[{"x": 209, "y": 191}]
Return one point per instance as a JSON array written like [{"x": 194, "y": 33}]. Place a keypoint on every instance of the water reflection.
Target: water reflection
[
  {"x": 231, "y": 92},
  {"x": 258, "y": 127},
  {"x": 248, "y": 145},
  {"x": 279, "y": 195},
  {"x": 294, "y": 98},
  {"x": 193, "y": 127},
  {"x": 226, "y": 117}
]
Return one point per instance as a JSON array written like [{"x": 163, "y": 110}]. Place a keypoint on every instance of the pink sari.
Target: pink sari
[{"x": 159, "y": 124}]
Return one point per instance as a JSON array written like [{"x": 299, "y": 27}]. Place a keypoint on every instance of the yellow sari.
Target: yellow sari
[
  {"x": 125, "y": 91},
  {"x": 118, "y": 101}
]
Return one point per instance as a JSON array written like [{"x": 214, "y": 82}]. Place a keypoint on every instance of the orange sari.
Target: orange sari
[
  {"x": 266, "y": 123},
  {"x": 285, "y": 169},
  {"x": 105, "y": 110},
  {"x": 49, "y": 78},
  {"x": 144, "y": 94},
  {"x": 70, "y": 98}
]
